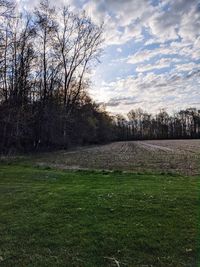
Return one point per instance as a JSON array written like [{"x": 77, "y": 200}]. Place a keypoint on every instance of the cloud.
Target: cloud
[
  {"x": 163, "y": 26},
  {"x": 187, "y": 67},
  {"x": 146, "y": 55},
  {"x": 115, "y": 102},
  {"x": 168, "y": 32},
  {"x": 174, "y": 20},
  {"x": 160, "y": 64},
  {"x": 153, "y": 92},
  {"x": 168, "y": 20},
  {"x": 126, "y": 20},
  {"x": 119, "y": 49},
  {"x": 157, "y": 36},
  {"x": 121, "y": 19}
]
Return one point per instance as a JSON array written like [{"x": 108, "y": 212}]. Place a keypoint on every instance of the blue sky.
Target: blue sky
[{"x": 151, "y": 53}]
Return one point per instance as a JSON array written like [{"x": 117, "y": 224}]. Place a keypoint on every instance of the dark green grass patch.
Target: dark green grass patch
[{"x": 91, "y": 219}]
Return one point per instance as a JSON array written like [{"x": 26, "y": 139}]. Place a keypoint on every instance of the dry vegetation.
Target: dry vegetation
[{"x": 173, "y": 156}]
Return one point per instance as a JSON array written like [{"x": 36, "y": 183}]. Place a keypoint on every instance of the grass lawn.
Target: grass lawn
[{"x": 92, "y": 219}]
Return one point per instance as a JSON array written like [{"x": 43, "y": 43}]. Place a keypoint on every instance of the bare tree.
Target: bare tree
[
  {"x": 78, "y": 45},
  {"x": 45, "y": 25}
]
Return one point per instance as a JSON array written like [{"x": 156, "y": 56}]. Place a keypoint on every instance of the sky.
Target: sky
[{"x": 151, "y": 57}]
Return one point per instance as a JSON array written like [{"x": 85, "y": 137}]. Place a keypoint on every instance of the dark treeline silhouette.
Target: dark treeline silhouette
[
  {"x": 45, "y": 59},
  {"x": 142, "y": 125}
]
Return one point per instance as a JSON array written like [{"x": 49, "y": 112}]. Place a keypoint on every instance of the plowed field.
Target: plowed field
[{"x": 173, "y": 156}]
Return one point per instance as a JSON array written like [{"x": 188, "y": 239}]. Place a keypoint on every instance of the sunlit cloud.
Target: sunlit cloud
[{"x": 151, "y": 52}]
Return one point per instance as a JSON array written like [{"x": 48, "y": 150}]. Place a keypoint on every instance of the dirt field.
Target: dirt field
[{"x": 176, "y": 156}]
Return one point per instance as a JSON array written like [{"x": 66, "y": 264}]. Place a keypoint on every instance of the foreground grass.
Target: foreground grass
[{"x": 91, "y": 219}]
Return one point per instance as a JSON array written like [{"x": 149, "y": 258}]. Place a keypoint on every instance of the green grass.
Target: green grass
[{"x": 92, "y": 219}]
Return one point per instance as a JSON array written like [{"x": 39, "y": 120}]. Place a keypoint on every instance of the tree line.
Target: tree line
[
  {"x": 45, "y": 59},
  {"x": 142, "y": 125}
]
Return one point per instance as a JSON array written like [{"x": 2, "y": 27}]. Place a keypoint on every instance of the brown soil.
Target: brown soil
[{"x": 174, "y": 156}]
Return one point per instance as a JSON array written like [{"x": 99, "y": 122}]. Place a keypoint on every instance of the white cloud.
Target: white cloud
[
  {"x": 146, "y": 54},
  {"x": 160, "y": 64},
  {"x": 166, "y": 21},
  {"x": 163, "y": 26},
  {"x": 119, "y": 49},
  {"x": 124, "y": 20},
  {"x": 187, "y": 67},
  {"x": 152, "y": 92},
  {"x": 169, "y": 36}
]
